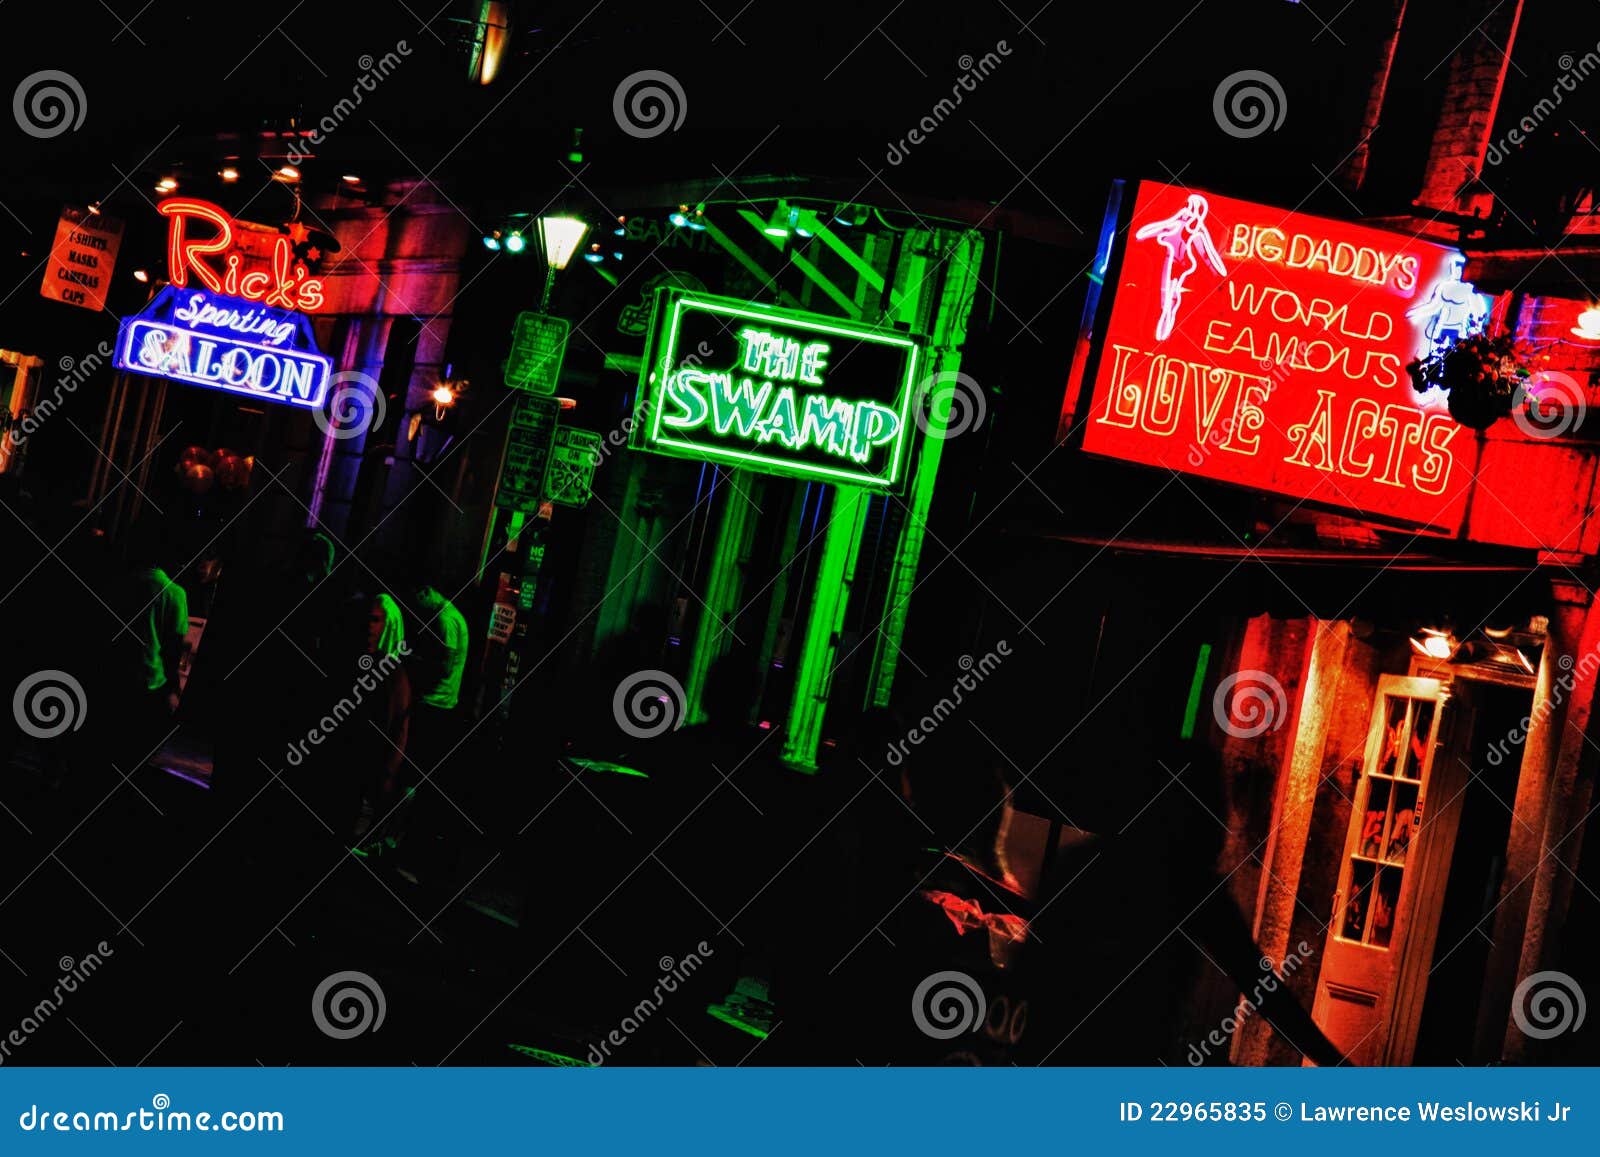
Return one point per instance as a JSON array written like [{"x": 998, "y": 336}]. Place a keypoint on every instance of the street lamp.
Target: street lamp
[{"x": 560, "y": 237}]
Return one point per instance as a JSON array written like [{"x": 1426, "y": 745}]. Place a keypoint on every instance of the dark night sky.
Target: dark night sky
[{"x": 1088, "y": 92}]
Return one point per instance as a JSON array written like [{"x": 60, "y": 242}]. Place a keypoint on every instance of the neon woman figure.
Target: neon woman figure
[{"x": 1185, "y": 238}]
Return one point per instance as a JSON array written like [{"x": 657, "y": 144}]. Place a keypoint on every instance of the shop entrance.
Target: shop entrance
[{"x": 1424, "y": 854}]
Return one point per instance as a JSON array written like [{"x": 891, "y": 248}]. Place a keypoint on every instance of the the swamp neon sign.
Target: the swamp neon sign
[
  {"x": 777, "y": 391},
  {"x": 1268, "y": 348}
]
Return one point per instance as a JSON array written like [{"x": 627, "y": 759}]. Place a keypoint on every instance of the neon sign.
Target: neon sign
[
  {"x": 1265, "y": 348},
  {"x": 776, "y": 390},
  {"x": 289, "y": 285},
  {"x": 223, "y": 343}
]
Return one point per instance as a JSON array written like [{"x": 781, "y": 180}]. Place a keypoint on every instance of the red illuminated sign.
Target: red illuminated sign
[
  {"x": 201, "y": 242},
  {"x": 1268, "y": 348}
]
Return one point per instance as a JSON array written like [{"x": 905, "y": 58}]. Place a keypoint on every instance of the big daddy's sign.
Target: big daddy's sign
[{"x": 1268, "y": 348}]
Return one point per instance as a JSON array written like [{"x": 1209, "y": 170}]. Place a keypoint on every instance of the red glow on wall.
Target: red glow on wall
[
  {"x": 1268, "y": 348},
  {"x": 201, "y": 243}
]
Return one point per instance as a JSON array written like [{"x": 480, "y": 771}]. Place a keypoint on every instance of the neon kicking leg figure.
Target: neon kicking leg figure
[{"x": 1187, "y": 240}]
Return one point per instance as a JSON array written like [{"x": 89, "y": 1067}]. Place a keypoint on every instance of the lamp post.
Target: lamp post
[{"x": 560, "y": 237}]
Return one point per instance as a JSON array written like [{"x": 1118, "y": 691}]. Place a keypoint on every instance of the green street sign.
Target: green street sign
[
  {"x": 569, "y": 474},
  {"x": 538, "y": 347},
  {"x": 528, "y": 441}
]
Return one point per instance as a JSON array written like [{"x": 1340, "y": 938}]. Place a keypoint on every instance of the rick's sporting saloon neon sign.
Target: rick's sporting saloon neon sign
[
  {"x": 224, "y": 321},
  {"x": 1268, "y": 348}
]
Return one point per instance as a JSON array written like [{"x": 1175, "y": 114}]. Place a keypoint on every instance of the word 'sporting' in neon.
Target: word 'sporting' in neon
[
  {"x": 758, "y": 402},
  {"x": 289, "y": 285}
]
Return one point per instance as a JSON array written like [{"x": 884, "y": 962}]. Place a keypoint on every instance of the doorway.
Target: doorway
[
  {"x": 1422, "y": 865},
  {"x": 1477, "y": 870}
]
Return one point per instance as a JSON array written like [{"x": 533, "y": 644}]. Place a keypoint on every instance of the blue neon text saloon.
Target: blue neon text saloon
[{"x": 223, "y": 343}]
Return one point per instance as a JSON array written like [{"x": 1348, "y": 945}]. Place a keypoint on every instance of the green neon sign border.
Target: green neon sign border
[{"x": 678, "y": 447}]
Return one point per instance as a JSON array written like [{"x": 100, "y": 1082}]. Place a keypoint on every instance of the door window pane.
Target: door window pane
[
  {"x": 1385, "y": 820},
  {"x": 1357, "y": 901},
  {"x": 1385, "y": 899}
]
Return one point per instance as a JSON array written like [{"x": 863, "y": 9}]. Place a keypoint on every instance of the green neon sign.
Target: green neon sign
[{"x": 776, "y": 390}]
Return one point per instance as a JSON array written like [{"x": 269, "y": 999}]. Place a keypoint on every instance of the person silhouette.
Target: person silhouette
[{"x": 1187, "y": 240}]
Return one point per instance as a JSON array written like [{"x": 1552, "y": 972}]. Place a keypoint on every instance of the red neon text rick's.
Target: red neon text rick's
[{"x": 200, "y": 242}]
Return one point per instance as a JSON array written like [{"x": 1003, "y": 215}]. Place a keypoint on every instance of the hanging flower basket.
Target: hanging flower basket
[{"x": 1480, "y": 376}]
